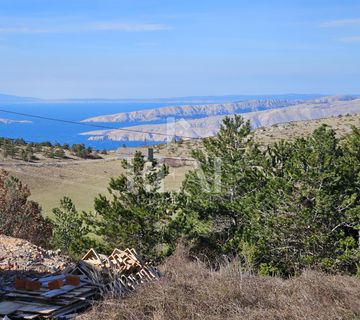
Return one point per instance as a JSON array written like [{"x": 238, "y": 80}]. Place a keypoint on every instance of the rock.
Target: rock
[{"x": 22, "y": 258}]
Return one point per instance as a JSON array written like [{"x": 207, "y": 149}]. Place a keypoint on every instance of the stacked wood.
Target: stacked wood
[
  {"x": 62, "y": 295},
  {"x": 117, "y": 274}
]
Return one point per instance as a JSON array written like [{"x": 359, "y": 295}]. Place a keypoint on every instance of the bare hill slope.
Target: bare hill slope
[{"x": 204, "y": 127}]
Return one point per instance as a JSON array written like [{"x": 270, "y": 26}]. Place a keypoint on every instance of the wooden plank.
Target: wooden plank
[
  {"x": 79, "y": 292},
  {"x": 60, "y": 291},
  {"x": 83, "y": 297},
  {"x": 21, "y": 295},
  {"x": 9, "y": 307},
  {"x": 26, "y": 316},
  {"x": 32, "y": 293},
  {"x": 44, "y": 281},
  {"x": 91, "y": 254},
  {"x": 26, "y": 298},
  {"x": 44, "y": 309},
  {"x": 70, "y": 309}
]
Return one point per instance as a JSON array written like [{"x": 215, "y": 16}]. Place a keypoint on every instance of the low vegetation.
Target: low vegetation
[
  {"x": 190, "y": 290},
  {"x": 250, "y": 217},
  {"x": 20, "y": 217},
  {"x": 29, "y": 151},
  {"x": 290, "y": 207}
]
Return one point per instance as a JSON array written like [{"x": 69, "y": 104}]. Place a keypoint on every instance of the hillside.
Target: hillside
[
  {"x": 243, "y": 104},
  {"x": 190, "y": 290},
  {"x": 82, "y": 180},
  {"x": 208, "y": 126},
  {"x": 191, "y": 111}
]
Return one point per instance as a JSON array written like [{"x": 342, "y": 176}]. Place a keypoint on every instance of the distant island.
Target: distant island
[
  {"x": 10, "y": 121},
  {"x": 205, "y": 120},
  {"x": 194, "y": 111}
]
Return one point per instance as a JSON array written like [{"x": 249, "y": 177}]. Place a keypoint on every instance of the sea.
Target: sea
[{"x": 40, "y": 130}]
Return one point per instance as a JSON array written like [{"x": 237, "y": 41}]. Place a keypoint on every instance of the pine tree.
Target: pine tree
[
  {"x": 70, "y": 233},
  {"x": 218, "y": 191},
  {"x": 135, "y": 215},
  {"x": 291, "y": 206}
]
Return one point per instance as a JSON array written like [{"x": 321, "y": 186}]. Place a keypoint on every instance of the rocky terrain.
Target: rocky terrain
[
  {"x": 20, "y": 257},
  {"x": 191, "y": 111},
  {"x": 210, "y": 109},
  {"x": 198, "y": 128}
]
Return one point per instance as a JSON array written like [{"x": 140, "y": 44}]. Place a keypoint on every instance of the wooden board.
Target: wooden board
[
  {"x": 60, "y": 291},
  {"x": 39, "y": 308},
  {"x": 8, "y": 307},
  {"x": 70, "y": 309},
  {"x": 27, "y": 316},
  {"x": 27, "y": 298},
  {"x": 52, "y": 278}
]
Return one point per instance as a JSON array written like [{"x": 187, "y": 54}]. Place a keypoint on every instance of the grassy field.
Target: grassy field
[{"x": 82, "y": 180}]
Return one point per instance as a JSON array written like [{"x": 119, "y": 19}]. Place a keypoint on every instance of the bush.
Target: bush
[
  {"x": 20, "y": 217},
  {"x": 295, "y": 204},
  {"x": 81, "y": 151},
  {"x": 59, "y": 153},
  {"x": 136, "y": 215},
  {"x": 70, "y": 232}
]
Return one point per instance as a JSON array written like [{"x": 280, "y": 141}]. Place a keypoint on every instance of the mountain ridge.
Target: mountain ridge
[
  {"x": 191, "y": 111},
  {"x": 204, "y": 127},
  {"x": 206, "y": 110}
]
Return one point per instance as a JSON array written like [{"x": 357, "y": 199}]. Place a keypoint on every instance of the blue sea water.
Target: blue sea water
[{"x": 44, "y": 130}]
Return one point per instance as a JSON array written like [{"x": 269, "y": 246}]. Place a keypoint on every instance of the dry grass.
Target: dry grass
[
  {"x": 81, "y": 181},
  {"x": 188, "y": 290},
  {"x": 290, "y": 131}
]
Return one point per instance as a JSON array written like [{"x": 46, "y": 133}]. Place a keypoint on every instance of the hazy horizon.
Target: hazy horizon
[{"x": 186, "y": 97}]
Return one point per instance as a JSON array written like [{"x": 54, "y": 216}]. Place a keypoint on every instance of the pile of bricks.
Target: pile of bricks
[
  {"x": 35, "y": 285},
  {"x": 52, "y": 297}
]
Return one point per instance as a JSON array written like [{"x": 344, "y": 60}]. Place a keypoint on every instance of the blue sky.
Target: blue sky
[{"x": 167, "y": 48}]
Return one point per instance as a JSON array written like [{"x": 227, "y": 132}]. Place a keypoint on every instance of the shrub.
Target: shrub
[
  {"x": 70, "y": 232},
  {"x": 296, "y": 203},
  {"x": 20, "y": 217},
  {"x": 59, "y": 153},
  {"x": 136, "y": 213}
]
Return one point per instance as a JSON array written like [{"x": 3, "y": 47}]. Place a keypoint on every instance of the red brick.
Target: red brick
[
  {"x": 73, "y": 280},
  {"x": 56, "y": 284},
  {"x": 32, "y": 285},
  {"x": 20, "y": 283}
]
